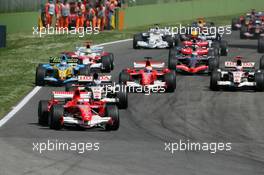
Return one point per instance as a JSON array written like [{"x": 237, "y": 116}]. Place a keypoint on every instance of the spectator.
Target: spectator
[
  {"x": 58, "y": 13},
  {"x": 65, "y": 12},
  {"x": 110, "y": 6},
  {"x": 90, "y": 16},
  {"x": 43, "y": 12},
  {"x": 101, "y": 16},
  {"x": 50, "y": 11},
  {"x": 80, "y": 9}
]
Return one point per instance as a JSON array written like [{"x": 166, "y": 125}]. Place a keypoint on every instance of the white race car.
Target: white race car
[
  {"x": 154, "y": 38},
  {"x": 238, "y": 75},
  {"x": 95, "y": 57}
]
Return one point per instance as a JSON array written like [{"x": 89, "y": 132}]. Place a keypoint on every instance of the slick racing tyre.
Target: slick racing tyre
[
  {"x": 259, "y": 78},
  {"x": 112, "y": 58},
  {"x": 233, "y": 23},
  {"x": 136, "y": 38},
  {"x": 124, "y": 77},
  {"x": 261, "y": 45},
  {"x": 177, "y": 40},
  {"x": 112, "y": 111},
  {"x": 122, "y": 99},
  {"x": 169, "y": 40},
  {"x": 170, "y": 80},
  {"x": 261, "y": 63},
  {"x": 56, "y": 117},
  {"x": 215, "y": 77},
  {"x": 85, "y": 70},
  {"x": 213, "y": 63},
  {"x": 243, "y": 30},
  {"x": 40, "y": 76},
  {"x": 43, "y": 112},
  {"x": 223, "y": 47},
  {"x": 107, "y": 64},
  {"x": 69, "y": 87},
  {"x": 216, "y": 48},
  {"x": 172, "y": 62}
]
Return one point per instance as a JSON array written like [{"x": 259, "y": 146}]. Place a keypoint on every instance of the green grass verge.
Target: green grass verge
[
  {"x": 24, "y": 51},
  {"x": 19, "y": 22}
]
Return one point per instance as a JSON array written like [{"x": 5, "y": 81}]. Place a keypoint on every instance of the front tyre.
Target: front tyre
[
  {"x": 259, "y": 78},
  {"x": 122, "y": 100},
  {"x": 112, "y": 111},
  {"x": 40, "y": 76},
  {"x": 56, "y": 117},
  {"x": 43, "y": 112},
  {"x": 215, "y": 77},
  {"x": 170, "y": 80}
]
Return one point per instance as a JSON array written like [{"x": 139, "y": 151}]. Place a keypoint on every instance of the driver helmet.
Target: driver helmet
[
  {"x": 96, "y": 79},
  {"x": 194, "y": 54},
  {"x": 156, "y": 30},
  {"x": 253, "y": 12},
  {"x": 149, "y": 69},
  {"x": 194, "y": 34},
  {"x": 63, "y": 60},
  {"x": 239, "y": 66}
]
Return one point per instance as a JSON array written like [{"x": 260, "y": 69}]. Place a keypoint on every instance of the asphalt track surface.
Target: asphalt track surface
[{"x": 192, "y": 113}]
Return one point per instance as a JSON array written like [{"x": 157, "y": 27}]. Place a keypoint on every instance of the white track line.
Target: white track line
[
  {"x": 19, "y": 106},
  {"x": 25, "y": 100}
]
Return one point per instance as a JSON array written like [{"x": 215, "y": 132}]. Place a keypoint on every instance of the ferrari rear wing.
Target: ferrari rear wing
[
  {"x": 69, "y": 95},
  {"x": 154, "y": 64}
]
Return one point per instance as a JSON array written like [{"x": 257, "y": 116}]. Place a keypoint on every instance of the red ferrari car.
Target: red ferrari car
[
  {"x": 148, "y": 76},
  {"x": 77, "y": 109}
]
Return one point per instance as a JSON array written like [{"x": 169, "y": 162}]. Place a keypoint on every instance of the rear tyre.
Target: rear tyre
[
  {"x": 85, "y": 70},
  {"x": 107, "y": 65},
  {"x": 112, "y": 111},
  {"x": 223, "y": 46},
  {"x": 261, "y": 45},
  {"x": 243, "y": 30},
  {"x": 43, "y": 112},
  {"x": 215, "y": 77},
  {"x": 261, "y": 63},
  {"x": 69, "y": 87},
  {"x": 56, "y": 117},
  {"x": 233, "y": 24},
  {"x": 169, "y": 40},
  {"x": 170, "y": 80},
  {"x": 40, "y": 76},
  {"x": 259, "y": 78},
  {"x": 177, "y": 40},
  {"x": 112, "y": 58},
  {"x": 136, "y": 38}
]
